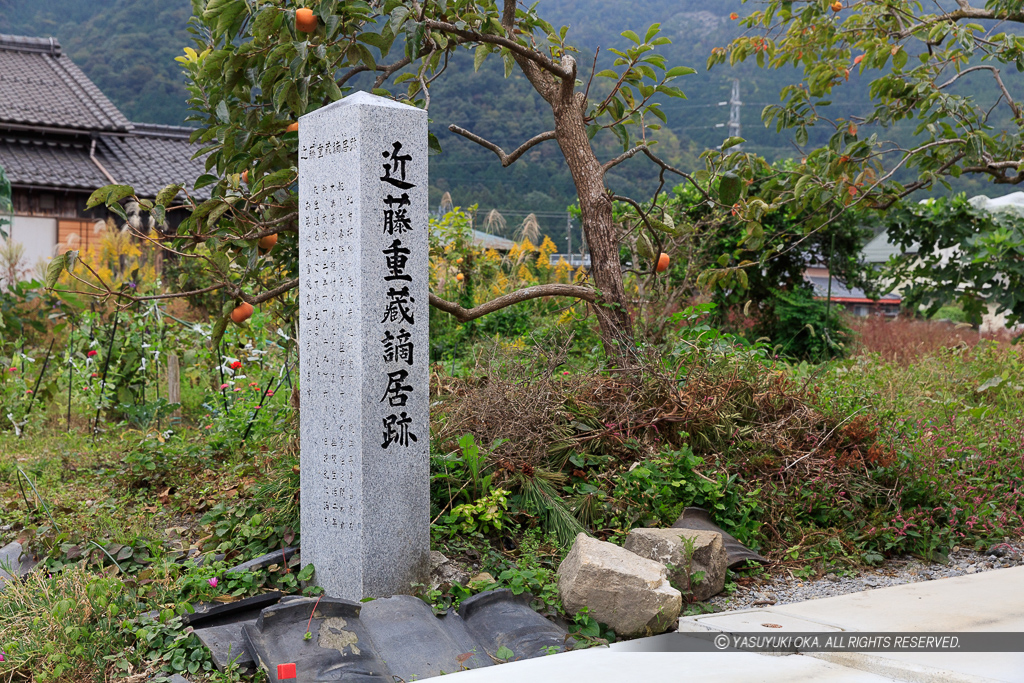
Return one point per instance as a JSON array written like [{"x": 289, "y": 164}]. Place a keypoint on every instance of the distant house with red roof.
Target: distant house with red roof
[{"x": 853, "y": 299}]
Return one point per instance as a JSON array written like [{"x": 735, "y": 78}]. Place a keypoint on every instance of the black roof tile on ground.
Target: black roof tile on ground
[{"x": 41, "y": 86}]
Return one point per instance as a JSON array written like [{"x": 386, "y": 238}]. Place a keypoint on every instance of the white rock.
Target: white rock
[{"x": 627, "y": 592}]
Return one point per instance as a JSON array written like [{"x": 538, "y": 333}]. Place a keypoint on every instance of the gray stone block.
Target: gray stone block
[
  {"x": 363, "y": 300},
  {"x": 14, "y": 563},
  {"x": 629, "y": 593},
  {"x": 669, "y": 546}
]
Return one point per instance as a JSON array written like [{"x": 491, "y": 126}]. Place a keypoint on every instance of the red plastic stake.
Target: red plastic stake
[{"x": 285, "y": 672}]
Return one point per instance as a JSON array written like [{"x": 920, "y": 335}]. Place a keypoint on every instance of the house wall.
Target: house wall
[
  {"x": 38, "y": 236},
  {"x": 50, "y": 222},
  {"x": 54, "y": 204}
]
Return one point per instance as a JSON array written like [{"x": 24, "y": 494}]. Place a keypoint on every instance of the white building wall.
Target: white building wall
[{"x": 39, "y": 238}]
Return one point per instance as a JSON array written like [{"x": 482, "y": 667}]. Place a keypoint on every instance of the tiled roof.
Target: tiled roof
[
  {"x": 49, "y": 162},
  {"x": 840, "y": 292},
  {"x": 148, "y": 158},
  {"x": 152, "y": 158},
  {"x": 41, "y": 87}
]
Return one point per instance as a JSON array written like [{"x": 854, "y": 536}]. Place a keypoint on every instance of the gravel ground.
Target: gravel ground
[{"x": 784, "y": 588}]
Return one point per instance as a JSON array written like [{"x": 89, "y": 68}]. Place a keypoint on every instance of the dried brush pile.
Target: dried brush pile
[{"x": 748, "y": 423}]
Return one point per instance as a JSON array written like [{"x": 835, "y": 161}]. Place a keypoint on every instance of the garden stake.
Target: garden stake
[
  {"x": 255, "y": 412},
  {"x": 142, "y": 353},
  {"x": 103, "y": 380},
  {"x": 108, "y": 555},
  {"x": 40, "y": 499},
  {"x": 22, "y": 487},
  {"x": 220, "y": 368},
  {"x": 39, "y": 379},
  {"x": 156, "y": 362},
  {"x": 71, "y": 355},
  {"x": 287, "y": 368}
]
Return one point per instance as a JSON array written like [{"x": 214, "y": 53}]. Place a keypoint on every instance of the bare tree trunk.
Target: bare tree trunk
[
  {"x": 568, "y": 107},
  {"x": 598, "y": 226}
]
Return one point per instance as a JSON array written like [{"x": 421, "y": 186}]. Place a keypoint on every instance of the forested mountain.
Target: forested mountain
[{"x": 128, "y": 47}]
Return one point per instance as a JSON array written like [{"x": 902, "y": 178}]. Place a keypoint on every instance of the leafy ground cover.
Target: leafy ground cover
[
  {"x": 909, "y": 445},
  {"x": 821, "y": 467}
]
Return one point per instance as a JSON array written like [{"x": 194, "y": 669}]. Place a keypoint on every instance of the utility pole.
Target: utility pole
[
  {"x": 734, "y": 111},
  {"x": 568, "y": 234}
]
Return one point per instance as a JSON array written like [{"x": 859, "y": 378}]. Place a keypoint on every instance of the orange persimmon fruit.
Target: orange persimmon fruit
[
  {"x": 662, "y": 263},
  {"x": 241, "y": 313},
  {"x": 305, "y": 20},
  {"x": 267, "y": 242}
]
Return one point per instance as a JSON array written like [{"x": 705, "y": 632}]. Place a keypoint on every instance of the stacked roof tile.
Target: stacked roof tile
[
  {"x": 57, "y": 130},
  {"x": 41, "y": 86}
]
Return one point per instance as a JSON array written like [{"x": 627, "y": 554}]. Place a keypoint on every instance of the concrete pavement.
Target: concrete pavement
[{"x": 987, "y": 602}]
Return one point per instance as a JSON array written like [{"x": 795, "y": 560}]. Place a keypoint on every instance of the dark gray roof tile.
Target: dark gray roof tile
[
  {"x": 41, "y": 86},
  {"x": 49, "y": 162},
  {"x": 152, "y": 160},
  {"x": 148, "y": 161}
]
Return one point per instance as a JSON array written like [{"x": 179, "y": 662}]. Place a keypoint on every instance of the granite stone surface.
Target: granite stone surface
[{"x": 363, "y": 259}]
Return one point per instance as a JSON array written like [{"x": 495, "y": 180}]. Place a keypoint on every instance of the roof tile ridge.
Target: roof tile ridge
[
  {"x": 15, "y": 43},
  {"x": 101, "y": 104}
]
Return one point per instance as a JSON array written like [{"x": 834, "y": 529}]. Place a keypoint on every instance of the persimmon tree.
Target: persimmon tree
[
  {"x": 252, "y": 74},
  {"x": 945, "y": 103}
]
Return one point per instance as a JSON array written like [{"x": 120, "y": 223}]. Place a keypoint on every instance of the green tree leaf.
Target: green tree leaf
[
  {"x": 729, "y": 189},
  {"x": 53, "y": 270}
]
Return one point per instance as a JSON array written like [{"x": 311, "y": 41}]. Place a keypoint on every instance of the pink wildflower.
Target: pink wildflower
[
  {"x": 213, "y": 582},
  {"x": 223, "y": 386}
]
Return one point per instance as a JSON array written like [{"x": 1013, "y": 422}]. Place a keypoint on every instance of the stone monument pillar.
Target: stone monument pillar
[{"x": 363, "y": 261}]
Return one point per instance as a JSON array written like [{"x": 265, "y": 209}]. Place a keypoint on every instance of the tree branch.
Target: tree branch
[
  {"x": 175, "y": 295},
  {"x": 997, "y": 169},
  {"x": 533, "y": 56},
  {"x": 650, "y": 155},
  {"x": 464, "y": 315},
  {"x": 506, "y": 159},
  {"x": 622, "y": 157},
  {"x": 995, "y": 74},
  {"x": 270, "y": 293},
  {"x": 385, "y": 69},
  {"x": 966, "y": 11}
]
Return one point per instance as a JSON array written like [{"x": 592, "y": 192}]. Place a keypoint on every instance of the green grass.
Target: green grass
[{"x": 822, "y": 468}]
